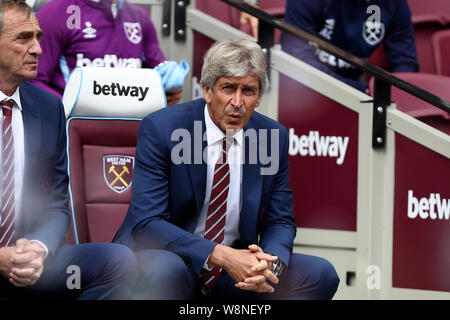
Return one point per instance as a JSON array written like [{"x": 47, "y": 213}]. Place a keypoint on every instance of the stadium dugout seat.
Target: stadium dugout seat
[
  {"x": 428, "y": 17},
  {"x": 220, "y": 10},
  {"x": 441, "y": 50},
  {"x": 273, "y": 7},
  {"x": 104, "y": 107},
  {"x": 230, "y": 15},
  {"x": 428, "y": 10},
  {"x": 378, "y": 57},
  {"x": 276, "y": 8},
  {"x": 420, "y": 109}
]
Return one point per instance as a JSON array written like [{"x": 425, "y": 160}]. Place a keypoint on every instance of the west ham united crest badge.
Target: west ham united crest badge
[
  {"x": 373, "y": 33},
  {"x": 373, "y": 29},
  {"x": 118, "y": 170},
  {"x": 133, "y": 31}
]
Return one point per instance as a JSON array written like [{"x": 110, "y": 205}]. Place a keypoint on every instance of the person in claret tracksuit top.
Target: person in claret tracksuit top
[{"x": 102, "y": 33}]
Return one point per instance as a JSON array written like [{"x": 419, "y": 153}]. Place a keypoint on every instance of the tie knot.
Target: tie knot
[
  {"x": 7, "y": 103},
  {"x": 227, "y": 142},
  {"x": 7, "y": 107}
]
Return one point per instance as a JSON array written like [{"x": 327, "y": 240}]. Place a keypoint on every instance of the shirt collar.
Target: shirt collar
[
  {"x": 15, "y": 97},
  {"x": 213, "y": 132}
]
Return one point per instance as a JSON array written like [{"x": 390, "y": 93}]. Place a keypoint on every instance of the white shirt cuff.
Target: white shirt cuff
[
  {"x": 206, "y": 265},
  {"x": 44, "y": 246}
]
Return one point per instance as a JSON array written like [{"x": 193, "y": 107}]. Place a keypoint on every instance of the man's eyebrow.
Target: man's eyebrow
[
  {"x": 234, "y": 84},
  {"x": 29, "y": 34},
  {"x": 25, "y": 33},
  {"x": 251, "y": 87},
  {"x": 229, "y": 83}
]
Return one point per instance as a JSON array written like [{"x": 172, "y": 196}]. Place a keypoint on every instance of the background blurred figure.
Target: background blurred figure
[
  {"x": 100, "y": 33},
  {"x": 357, "y": 26}
]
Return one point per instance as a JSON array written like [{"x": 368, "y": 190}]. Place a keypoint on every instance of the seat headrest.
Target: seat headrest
[{"x": 113, "y": 93}]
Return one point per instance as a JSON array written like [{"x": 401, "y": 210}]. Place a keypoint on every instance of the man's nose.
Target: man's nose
[
  {"x": 35, "y": 48},
  {"x": 237, "y": 100}
]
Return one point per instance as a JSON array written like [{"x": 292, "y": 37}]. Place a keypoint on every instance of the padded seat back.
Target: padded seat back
[
  {"x": 428, "y": 17},
  {"x": 104, "y": 107},
  {"x": 441, "y": 50},
  {"x": 420, "y": 109}
]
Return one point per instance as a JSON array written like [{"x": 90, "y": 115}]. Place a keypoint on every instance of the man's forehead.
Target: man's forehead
[
  {"x": 250, "y": 80},
  {"x": 16, "y": 20}
]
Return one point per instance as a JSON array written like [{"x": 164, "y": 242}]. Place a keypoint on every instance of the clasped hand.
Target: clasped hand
[
  {"x": 251, "y": 269},
  {"x": 22, "y": 264}
]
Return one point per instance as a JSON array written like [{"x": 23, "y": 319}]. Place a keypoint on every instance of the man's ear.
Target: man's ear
[
  {"x": 207, "y": 93},
  {"x": 258, "y": 102}
]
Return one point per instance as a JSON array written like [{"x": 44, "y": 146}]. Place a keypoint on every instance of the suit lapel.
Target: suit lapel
[
  {"x": 32, "y": 137},
  {"x": 31, "y": 125},
  {"x": 251, "y": 189},
  {"x": 197, "y": 170}
]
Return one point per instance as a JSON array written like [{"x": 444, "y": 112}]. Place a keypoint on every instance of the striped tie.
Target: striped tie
[
  {"x": 217, "y": 209},
  {"x": 8, "y": 199}
]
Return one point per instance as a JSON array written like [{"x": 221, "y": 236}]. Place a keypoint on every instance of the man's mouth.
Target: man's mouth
[{"x": 235, "y": 116}]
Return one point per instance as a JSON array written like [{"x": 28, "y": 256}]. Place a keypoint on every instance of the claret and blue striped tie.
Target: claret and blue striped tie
[
  {"x": 8, "y": 199},
  {"x": 217, "y": 210}
]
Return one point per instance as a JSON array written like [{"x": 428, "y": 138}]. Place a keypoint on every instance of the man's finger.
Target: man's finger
[
  {"x": 269, "y": 275},
  {"x": 16, "y": 283},
  {"x": 23, "y": 258},
  {"x": 26, "y": 276},
  {"x": 258, "y": 279},
  {"x": 20, "y": 245},
  {"x": 23, "y": 281},
  {"x": 266, "y": 256},
  {"x": 264, "y": 287},
  {"x": 254, "y": 248},
  {"x": 26, "y": 272},
  {"x": 23, "y": 273},
  {"x": 263, "y": 264},
  {"x": 260, "y": 254}
]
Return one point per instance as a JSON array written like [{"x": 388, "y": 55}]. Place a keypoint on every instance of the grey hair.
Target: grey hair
[
  {"x": 19, "y": 5},
  {"x": 235, "y": 58}
]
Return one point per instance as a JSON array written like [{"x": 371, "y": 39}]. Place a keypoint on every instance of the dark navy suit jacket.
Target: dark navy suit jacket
[
  {"x": 167, "y": 198},
  {"x": 44, "y": 215}
]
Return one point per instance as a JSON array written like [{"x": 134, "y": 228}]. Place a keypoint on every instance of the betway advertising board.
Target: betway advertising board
[
  {"x": 323, "y": 154},
  {"x": 421, "y": 242}
]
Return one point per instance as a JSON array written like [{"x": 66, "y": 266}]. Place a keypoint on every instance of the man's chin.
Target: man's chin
[
  {"x": 236, "y": 124},
  {"x": 232, "y": 128},
  {"x": 29, "y": 75}
]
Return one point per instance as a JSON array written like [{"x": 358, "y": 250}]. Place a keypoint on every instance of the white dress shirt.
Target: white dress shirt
[
  {"x": 19, "y": 152},
  {"x": 214, "y": 149},
  {"x": 19, "y": 149}
]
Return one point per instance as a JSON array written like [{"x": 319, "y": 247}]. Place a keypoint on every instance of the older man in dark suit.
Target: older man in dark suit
[
  {"x": 211, "y": 208},
  {"x": 34, "y": 263}
]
